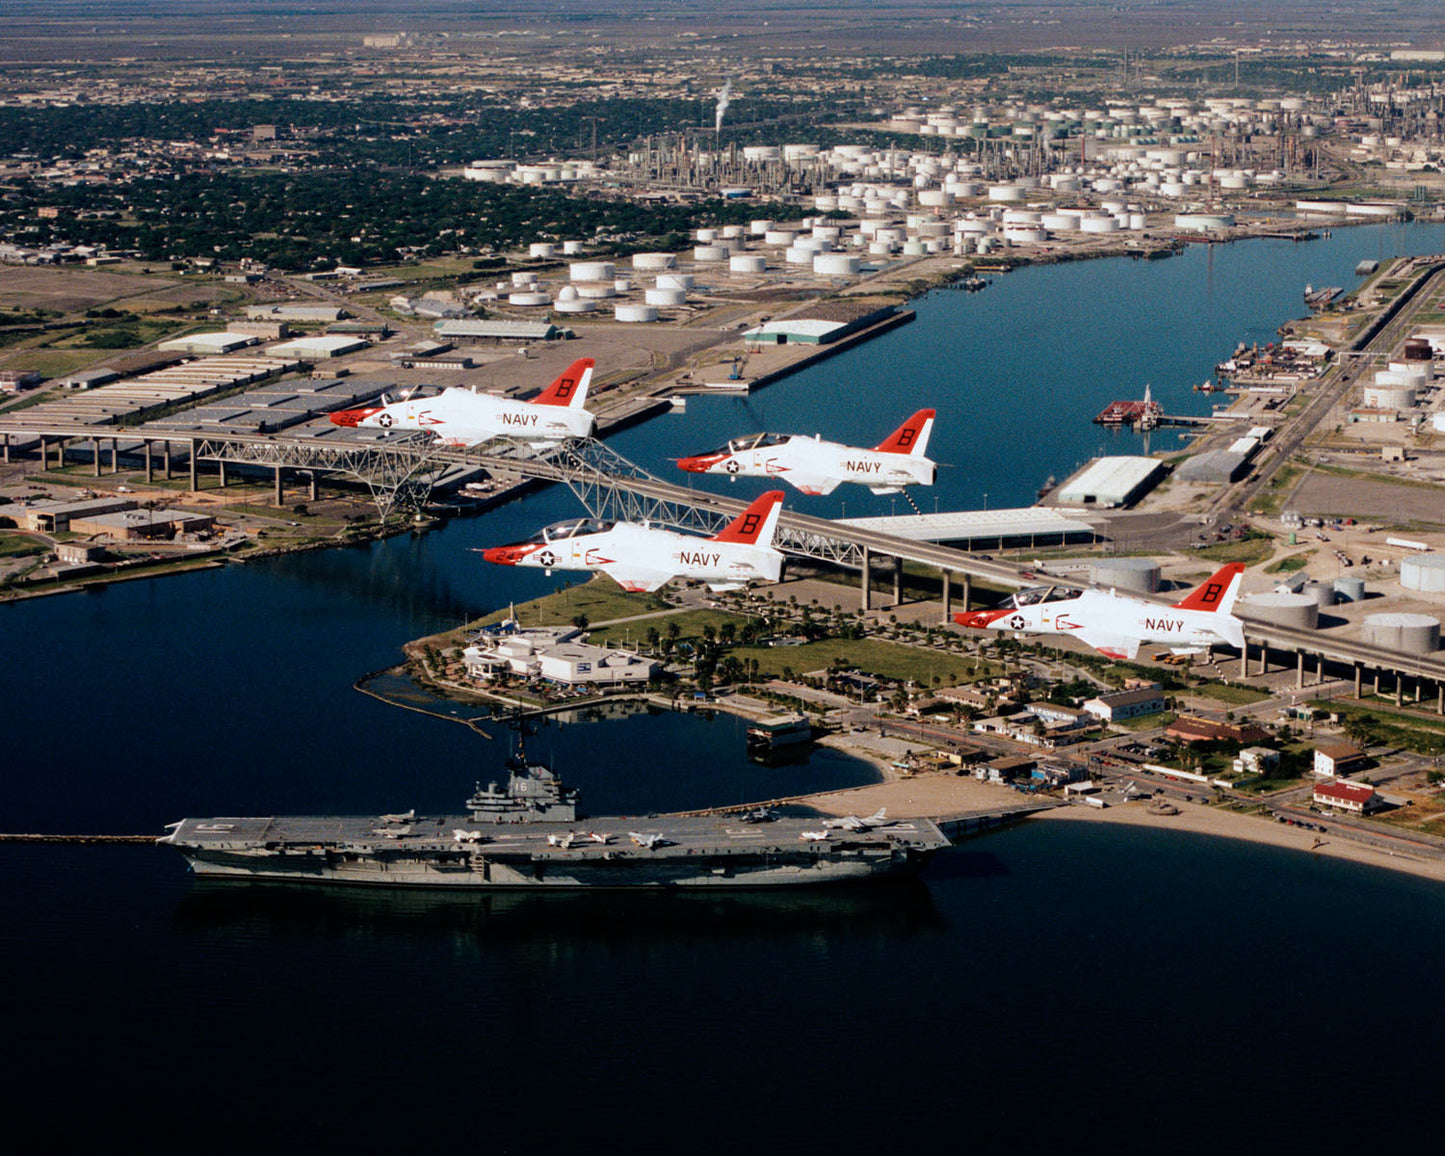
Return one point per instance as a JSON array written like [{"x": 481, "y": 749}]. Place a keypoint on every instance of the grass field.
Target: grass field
[
  {"x": 20, "y": 546},
  {"x": 600, "y": 599},
  {"x": 690, "y": 624},
  {"x": 872, "y": 656},
  {"x": 1249, "y": 551},
  {"x": 1233, "y": 695},
  {"x": 1291, "y": 563}
]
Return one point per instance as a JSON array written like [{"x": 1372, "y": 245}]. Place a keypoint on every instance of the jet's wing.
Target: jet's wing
[
  {"x": 1110, "y": 642},
  {"x": 639, "y": 579},
  {"x": 812, "y": 483}
]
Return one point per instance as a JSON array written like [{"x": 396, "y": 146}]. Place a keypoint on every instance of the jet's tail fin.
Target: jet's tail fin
[
  {"x": 755, "y": 524},
  {"x": 911, "y": 437},
  {"x": 1217, "y": 593},
  {"x": 570, "y": 388}
]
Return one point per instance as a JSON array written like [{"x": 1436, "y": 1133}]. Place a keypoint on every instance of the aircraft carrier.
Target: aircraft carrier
[{"x": 528, "y": 836}]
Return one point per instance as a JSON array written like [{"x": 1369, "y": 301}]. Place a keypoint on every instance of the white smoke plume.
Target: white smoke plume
[{"x": 724, "y": 98}]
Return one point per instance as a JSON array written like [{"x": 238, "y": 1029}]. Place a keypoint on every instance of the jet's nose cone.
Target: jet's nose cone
[
  {"x": 974, "y": 618},
  {"x": 502, "y": 555},
  {"x": 351, "y": 417},
  {"x": 699, "y": 464}
]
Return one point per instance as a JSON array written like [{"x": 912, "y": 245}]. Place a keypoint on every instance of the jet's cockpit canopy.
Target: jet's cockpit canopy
[
  {"x": 572, "y": 529},
  {"x": 1033, "y": 595},
  {"x": 757, "y": 441}
]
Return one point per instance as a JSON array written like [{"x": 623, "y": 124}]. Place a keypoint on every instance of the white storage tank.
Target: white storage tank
[
  {"x": 596, "y": 291},
  {"x": 1403, "y": 633},
  {"x": 914, "y": 249},
  {"x": 1099, "y": 224},
  {"x": 592, "y": 271},
  {"x": 799, "y": 256},
  {"x": 572, "y": 248},
  {"x": 783, "y": 237},
  {"x": 1024, "y": 235},
  {"x": 623, "y": 284},
  {"x": 653, "y": 261},
  {"x": 1349, "y": 589},
  {"x": 734, "y": 232},
  {"x": 665, "y": 297},
  {"x": 760, "y": 228},
  {"x": 1423, "y": 572},
  {"x": 836, "y": 265},
  {"x": 1322, "y": 592},
  {"x": 884, "y": 249},
  {"x": 707, "y": 253},
  {"x": 527, "y": 297},
  {"x": 747, "y": 263},
  {"x": 674, "y": 280},
  {"x": 1136, "y": 575},
  {"x": 636, "y": 313},
  {"x": 825, "y": 202},
  {"x": 1007, "y": 193},
  {"x": 1388, "y": 396},
  {"x": 706, "y": 236},
  {"x": 541, "y": 249},
  {"x": 1060, "y": 222},
  {"x": 568, "y": 301},
  {"x": 935, "y": 198},
  {"x": 1297, "y": 611},
  {"x": 522, "y": 280}
]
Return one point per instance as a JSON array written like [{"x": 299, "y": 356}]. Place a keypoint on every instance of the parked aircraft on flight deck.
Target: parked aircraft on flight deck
[
  {"x": 464, "y": 417},
  {"x": 638, "y": 556},
  {"x": 816, "y": 466},
  {"x": 1117, "y": 624}
]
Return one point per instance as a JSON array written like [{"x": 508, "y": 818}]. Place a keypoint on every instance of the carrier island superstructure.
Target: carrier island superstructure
[{"x": 527, "y": 835}]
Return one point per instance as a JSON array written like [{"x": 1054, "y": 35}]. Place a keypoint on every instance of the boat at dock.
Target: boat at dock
[{"x": 528, "y": 835}]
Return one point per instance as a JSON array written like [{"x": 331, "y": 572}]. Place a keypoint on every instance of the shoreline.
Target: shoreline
[{"x": 1215, "y": 823}]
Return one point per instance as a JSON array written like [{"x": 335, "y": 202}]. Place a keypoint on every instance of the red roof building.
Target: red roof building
[
  {"x": 1344, "y": 795},
  {"x": 1188, "y": 729}
]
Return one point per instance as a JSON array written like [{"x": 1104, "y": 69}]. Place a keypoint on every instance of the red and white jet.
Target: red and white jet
[
  {"x": 1117, "y": 624},
  {"x": 462, "y": 417},
  {"x": 641, "y": 557},
  {"x": 816, "y": 467}
]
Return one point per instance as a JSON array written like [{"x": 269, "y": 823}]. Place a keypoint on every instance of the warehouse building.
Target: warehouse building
[
  {"x": 209, "y": 344},
  {"x": 1109, "y": 483},
  {"x": 499, "y": 331},
  {"x": 320, "y": 347},
  {"x": 140, "y": 525}
]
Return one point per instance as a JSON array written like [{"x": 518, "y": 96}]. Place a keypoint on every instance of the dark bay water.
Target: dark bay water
[{"x": 1055, "y": 985}]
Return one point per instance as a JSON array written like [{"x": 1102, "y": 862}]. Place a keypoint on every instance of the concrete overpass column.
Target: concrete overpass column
[
  {"x": 1377, "y": 681},
  {"x": 222, "y": 471},
  {"x": 1263, "y": 657},
  {"x": 95, "y": 456},
  {"x": 1359, "y": 677},
  {"x": 168, "y": 459},
  {"x": 1244, "y": 660},
  {"x": 5, "y": 445},
  {"x": 967, "y": 592},
  {"x": 897, "y": 581},
  {"x": 195, "y": 481},
  {"x": 1418, "y": 681},
  {"x": 1299, "y": 676},
  {"x": 1399, "y": 689},
  {"x": 867, "y": 601},
  {"x": 1440, "y": 699},
  {"x": 150, "y": 464},
  {"x": 315, "y": 491},
  {"x": 278, "y": 485},
  {"x": 60, "y": 454},
  {"x": 44, "y": 455},
  {"x": 115, "y": 455},
  {"x": 947, "y": 595}
]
